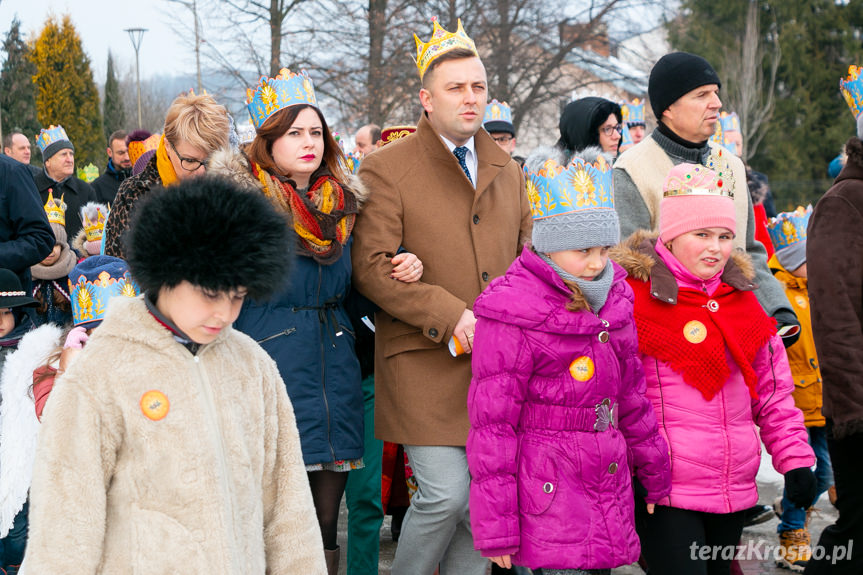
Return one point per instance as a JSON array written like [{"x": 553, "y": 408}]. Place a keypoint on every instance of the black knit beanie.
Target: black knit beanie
[{"x": 676, "y": 74}]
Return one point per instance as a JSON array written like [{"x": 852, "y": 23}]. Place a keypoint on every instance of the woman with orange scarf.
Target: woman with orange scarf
[{"x": 195, "y": 127}]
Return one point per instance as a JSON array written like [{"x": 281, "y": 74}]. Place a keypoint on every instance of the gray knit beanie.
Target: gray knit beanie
[{"x": 576, "y": 230}]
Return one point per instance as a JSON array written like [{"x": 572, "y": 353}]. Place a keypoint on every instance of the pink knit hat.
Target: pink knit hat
[{"x": 694, "y": 197}]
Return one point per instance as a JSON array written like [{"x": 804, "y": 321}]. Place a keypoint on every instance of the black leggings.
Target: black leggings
[
  {"x": 327, "y": 490},
  {"x": 667, "y": 539}
]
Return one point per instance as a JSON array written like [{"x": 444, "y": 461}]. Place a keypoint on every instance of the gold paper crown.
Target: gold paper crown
[
  {"x": 93, "y": 218},
  {"x": 55, "y": 209},
  {"x": 440, "y": 43}
]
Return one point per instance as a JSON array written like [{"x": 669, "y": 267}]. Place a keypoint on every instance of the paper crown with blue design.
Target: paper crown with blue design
[
  {"x": 730, "y": 122},
  {"x": 633, "y": 112},
  {"x": 572, "y": 206},
  {"x": 93, "y": 283},
  {"x": 498, "y": 118},
  {"x": 440, "y": 43},
  {"x": 55, "y": 209},
  {"x": 352, "y": 162},
  {"x": 51, "y": 140},
  {"x": 625, "y": 135},
  {"x": 273, "y": 94},
  {"x": 851, "y": 88},
  {"x": 788, "y": 228}
]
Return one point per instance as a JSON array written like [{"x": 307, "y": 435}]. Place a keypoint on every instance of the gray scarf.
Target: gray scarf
[{"x": 595, "y": 291}]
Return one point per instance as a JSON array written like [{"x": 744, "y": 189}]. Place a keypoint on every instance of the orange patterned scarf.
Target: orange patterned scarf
[
  {"x": 164, "y": 165},
  {"x": 323, "y": 216}
]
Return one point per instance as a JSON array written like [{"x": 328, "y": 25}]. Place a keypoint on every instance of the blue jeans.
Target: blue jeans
[
  {"x": 795, "y": 517},
  {"x": 13, "y": 545}
]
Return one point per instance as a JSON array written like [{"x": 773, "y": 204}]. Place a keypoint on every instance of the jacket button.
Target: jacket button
[
  {"x": 485, "y": 276},
  {"x": 603, "y": 336},
  {"x": 475, "y": 219},
  {"x": 612, "y": 468},
  {"x": 432, "y": 332},
  {"x": 548, "y": 487}
]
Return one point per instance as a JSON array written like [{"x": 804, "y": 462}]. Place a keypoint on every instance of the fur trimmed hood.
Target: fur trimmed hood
[
  {"x": 637, "y": 256},
  {"x": 235, "y": 166},
  {"x": 539, "y": 155}
]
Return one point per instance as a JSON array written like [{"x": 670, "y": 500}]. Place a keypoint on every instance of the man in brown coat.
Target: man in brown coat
[{"x": 450, "y": 195}]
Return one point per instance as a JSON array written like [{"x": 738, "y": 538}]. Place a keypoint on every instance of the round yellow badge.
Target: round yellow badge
[
  {"x": 694, "y": 331},
  {"x": 155, "y": 405},
  {"x": 801, "y": 301},
  {"x": 581, "y": 369}
]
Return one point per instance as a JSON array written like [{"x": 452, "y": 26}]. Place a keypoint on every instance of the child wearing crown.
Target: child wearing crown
[
  {"x": 50, "y": 276},
  {"x": 556, "y": 401},
  {"x": 88, "y": 242},
  {"x": 715, "y": 369},
  {"x": 172, "y": 429}
]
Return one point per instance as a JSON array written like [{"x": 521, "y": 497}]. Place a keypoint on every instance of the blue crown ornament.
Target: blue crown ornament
[
  {"x": 92, "y": 284},
  {"x": 48, "y": 136},
  {"x": 852, "y": 89},
  {"x": 272, "y": 94},
  {"x": 497, "y": 112},
  {"x": 788, "y": 228},
  {"x": 633, "y": 112},
  {"x": 625, "y": 136},
  {"x": 554, "y": 190},
  {"x": 730, "y": 122},
  {"x": 352, "y": 162}
]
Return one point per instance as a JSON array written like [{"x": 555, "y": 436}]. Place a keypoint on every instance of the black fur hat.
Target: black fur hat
[{"x": 211, "y": 233}]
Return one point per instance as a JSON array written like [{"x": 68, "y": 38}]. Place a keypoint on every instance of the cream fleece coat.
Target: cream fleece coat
[{"x": 216, "y": 486}]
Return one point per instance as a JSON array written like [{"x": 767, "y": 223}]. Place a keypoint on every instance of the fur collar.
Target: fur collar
[
  {"x": 638, "y": 257},
  {"x": 538, "y": 156}
]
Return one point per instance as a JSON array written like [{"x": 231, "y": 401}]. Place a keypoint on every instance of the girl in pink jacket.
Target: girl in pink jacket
[{"x": 715, "y": 370}]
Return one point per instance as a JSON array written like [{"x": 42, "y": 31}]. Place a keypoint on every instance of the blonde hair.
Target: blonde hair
[{"x": 198, "y": 120}]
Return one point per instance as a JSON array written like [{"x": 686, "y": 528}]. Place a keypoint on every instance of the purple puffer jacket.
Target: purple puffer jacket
[{"x": 547, "y": 487}]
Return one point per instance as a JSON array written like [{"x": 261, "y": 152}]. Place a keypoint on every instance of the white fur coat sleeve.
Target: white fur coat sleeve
[{"x": 19, "y": 426}]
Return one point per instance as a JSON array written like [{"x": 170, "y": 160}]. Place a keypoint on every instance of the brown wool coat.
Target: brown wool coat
[{"x": 421, "y": 200}]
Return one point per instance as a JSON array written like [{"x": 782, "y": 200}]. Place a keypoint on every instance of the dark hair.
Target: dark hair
[
  {"x": 581, "y": 119},
  {"x": 261, "y": 149},
  {"x": 117, "y": 135},
  {"x": 375, "y": 132},
  {"x": 211, "y": 233},
  {"x": 454, "y": 54}
]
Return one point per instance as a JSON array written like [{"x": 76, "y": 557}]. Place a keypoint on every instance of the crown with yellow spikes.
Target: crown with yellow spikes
[
  {"x": 718, "y": 161},
  {"x": 440, "y": 43},
  {"x": 788, "y": 228},
  {"x": 93, "y": 216},
  {"x": 497, "y": 112},
  {"x": 852, "y": 89},
  {"x": 48, "y": 136},
  {"x": 554, "y": 190},
  {"x": 697, "y": 181},
  {"x": 272, "y": 94},
  {"x": 632, "y": 112},
  {"x": 55, "y": 209},
  {"x": 88, "y": 173}
]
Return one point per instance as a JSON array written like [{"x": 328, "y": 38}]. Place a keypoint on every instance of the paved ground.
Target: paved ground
[{"x": 758, "y": 537}]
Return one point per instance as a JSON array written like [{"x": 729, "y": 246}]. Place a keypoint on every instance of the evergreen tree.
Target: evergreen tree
[
  {"x": 17, "y": 92},
  {"x": 65, "y": 91},
  {"x": 113, "y": 112}
]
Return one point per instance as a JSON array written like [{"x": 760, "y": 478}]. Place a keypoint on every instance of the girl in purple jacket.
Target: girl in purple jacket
[
  {"x": 559, "y": 420},
  {"x": 715, "y": 368}
]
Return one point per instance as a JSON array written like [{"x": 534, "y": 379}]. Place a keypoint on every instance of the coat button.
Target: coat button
[
  {"x": 475, "y": 219},
  {"x": 612, "y": 468},
  {"x": 485, "y": 276},
  {"x": 548, "y": 487},
  {"x": 432, "y": 332},
  {"x": 603, "y": 336}
]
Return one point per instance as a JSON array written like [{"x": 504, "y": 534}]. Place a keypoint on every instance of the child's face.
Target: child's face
[
  {"x": 584, "y": 264},
  {"x": 800, "y": 272},
  {"x": 7, "y": 321},
  {"x": 703, "y": 252},
  {"x": 200, "y": 314},
  {"x": 53, "y": 256}
]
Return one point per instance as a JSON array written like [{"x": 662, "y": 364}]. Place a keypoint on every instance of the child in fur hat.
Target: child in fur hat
[
  {"x": 50, "y": 276},
  {"x": 715, "y": 369},
  {"x": 173, "y": 430}
]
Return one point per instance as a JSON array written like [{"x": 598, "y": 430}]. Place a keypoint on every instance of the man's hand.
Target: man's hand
[{"x": 464, "y": 330}]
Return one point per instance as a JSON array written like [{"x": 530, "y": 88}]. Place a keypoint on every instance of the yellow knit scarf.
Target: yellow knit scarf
[{"x": 164, "y": 165}]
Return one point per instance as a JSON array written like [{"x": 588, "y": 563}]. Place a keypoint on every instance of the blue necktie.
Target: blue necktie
[{"x": 460, "y": 154}]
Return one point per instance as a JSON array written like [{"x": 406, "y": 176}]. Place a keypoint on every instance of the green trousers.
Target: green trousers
[{"x": 363, "y": 496}]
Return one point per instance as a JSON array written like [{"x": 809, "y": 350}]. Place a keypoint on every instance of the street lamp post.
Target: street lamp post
[{"x": 136, "y": 34}]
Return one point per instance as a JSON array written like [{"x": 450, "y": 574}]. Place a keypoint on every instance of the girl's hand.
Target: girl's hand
[
  {"x": 503, "y": 561},
  {"x": 651, "y": 507},
  {"x": 407, "y": 267}
]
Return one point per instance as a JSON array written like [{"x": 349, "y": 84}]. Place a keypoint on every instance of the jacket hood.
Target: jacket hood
[
  {"x": 533, "y": 296},
  {"x": 785, "y": 276},
  {"x": 638, "y": 257},
  {"x": 580, "y": 121},
  {"x": 234, "y": 165}
]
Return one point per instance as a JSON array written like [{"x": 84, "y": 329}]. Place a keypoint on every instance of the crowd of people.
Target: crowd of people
[{"x": 558, "y": 364}]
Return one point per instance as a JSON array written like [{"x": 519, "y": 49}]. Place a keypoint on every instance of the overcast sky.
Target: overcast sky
[{"x": 101, "y": 25}]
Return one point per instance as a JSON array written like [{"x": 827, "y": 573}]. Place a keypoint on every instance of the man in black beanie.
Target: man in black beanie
[{"x": 684, "y": 94}]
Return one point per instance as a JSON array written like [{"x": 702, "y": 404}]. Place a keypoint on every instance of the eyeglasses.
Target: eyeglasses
[
  {"x": 608, "y": 130},
  {"x": 188, "y": 164},
  {"x": 503, "y": 139}
]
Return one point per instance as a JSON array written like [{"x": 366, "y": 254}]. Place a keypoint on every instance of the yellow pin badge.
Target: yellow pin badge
[
  {"x": 155, "y": 405},
  {"x": 695, "y": 331},
  {"x": 582, "y": 368}
]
